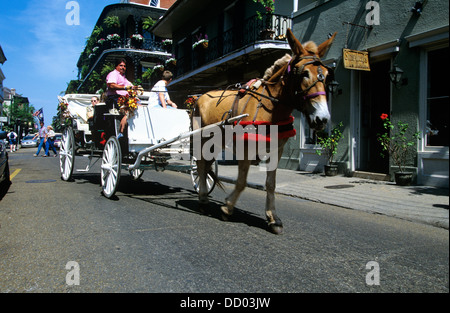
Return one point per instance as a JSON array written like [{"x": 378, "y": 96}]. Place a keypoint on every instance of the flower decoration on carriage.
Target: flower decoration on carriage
[
  {"x": 190, "y": 103},
  {"x": 64, "y": 109},
  {"x": 167, "y": 42},
  {"x": 137, "y": 37},
  {"x": 129, "y": 103},
  {"x": 94, "y": 50},
  {"x": 101, "y": 41},
  {"x": 113, "y": 37},
  {"x": 201, "y": 42}
]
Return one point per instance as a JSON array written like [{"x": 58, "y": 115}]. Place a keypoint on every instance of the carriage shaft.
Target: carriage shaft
[{"x": 181, "y": 136}]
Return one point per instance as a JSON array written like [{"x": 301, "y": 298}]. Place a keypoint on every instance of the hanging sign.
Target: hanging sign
[{"x": 356, "y": 60}]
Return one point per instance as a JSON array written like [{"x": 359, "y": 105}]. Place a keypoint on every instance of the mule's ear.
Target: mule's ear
[
  {"x": 323, "y": 48},
  {"x": 295, "y": 45}
]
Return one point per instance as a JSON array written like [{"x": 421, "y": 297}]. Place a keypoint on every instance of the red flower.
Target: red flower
[{"x": 384, "y": 116}]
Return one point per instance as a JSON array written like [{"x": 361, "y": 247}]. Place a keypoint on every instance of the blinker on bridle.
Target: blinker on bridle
[{"x": 299, "y": 71}]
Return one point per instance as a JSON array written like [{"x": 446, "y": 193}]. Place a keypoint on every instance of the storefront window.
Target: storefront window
[{"x": 437, "y": 123}]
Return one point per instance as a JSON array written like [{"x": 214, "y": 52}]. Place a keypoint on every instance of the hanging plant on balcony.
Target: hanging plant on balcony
[
  {"x": 201, "y": 42},
  {"x": 112, "y": 21},
  {"x": 113, "y": 37},
  {"x": 269, "y": 6},
  {"x": 147, "y": 22},
  {"x": 171, "y": 62},
  {"x": 137, "y": 37},
  {"x": 158, "y": 68},
  {"x": 147, "y": 75}
]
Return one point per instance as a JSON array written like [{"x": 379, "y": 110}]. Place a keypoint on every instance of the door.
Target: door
[{"x": 375, "y": 100}]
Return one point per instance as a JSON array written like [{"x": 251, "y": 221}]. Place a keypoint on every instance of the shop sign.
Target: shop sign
[{"x": 356, "y": 60}]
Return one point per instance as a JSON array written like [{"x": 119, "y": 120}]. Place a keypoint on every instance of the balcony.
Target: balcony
[{"x": 253, "y": 30}]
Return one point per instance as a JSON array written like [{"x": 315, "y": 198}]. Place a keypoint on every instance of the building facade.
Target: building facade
[
  {"x": 122, "y": 31},
  {"x": 410, "y": 38},
  {"x": 402, "y": 38}
]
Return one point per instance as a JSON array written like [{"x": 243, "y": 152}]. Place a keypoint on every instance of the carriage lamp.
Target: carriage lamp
[
  {"x": 396, "y": 74},
  {"x": 333, "y": 87}
]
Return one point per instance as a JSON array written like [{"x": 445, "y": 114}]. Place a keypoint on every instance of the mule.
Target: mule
[{"x": 295, "y": 81}]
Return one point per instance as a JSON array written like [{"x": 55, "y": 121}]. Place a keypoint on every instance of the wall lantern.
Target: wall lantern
[
  {"x": 396, "y": 74},
  {"x": 333, "y": 87},
  {"x": 417, "y": 8}
]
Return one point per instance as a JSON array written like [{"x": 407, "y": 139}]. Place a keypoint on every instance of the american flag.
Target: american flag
[{"x": 39, "y": 114}]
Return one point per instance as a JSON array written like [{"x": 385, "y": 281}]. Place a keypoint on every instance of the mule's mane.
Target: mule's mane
[
  {"x": 309, "y": 46},
  {"x": 276, "y": 66}
]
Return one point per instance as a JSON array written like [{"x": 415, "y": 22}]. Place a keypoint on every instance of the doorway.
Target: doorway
[{"x": 375, "y": 100}]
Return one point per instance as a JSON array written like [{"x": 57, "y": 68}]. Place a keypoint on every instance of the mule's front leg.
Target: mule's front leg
[
  {"x": 241, "y": 183},
  {"x": 275, "y": 224}
]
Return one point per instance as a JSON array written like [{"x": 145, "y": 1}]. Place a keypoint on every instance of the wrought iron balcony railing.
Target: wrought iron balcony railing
[{"x": 271, "y": 27}]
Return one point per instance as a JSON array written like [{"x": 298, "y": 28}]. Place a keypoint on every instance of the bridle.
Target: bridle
[{"x": 298, "y": 73}]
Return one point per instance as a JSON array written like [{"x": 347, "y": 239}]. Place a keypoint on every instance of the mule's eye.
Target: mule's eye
[{"x": 305, "y": 74}]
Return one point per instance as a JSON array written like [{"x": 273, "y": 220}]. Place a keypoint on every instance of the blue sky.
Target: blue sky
[{"x": 42, "y": 49}]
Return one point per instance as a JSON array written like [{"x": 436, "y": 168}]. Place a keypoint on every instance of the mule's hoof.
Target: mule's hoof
[
  {"x": 225, "y": 210},
  {"x": 276, "y": 229},
  {"x": 203, "y": 207}
]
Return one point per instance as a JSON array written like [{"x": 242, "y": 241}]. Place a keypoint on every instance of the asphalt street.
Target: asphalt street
[{"x": 153, "y": 238}]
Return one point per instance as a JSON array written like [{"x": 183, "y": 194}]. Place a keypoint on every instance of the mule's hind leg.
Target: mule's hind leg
[
  {"x": 203, "y": 167},
  {"x": 241, "y": 183},
  {"x": 275, "y": 224}
]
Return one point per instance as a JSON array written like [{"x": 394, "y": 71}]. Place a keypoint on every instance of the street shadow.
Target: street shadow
[
  {"x": 420, "y": 190},
  {"x": 176, "y": 198},
  {"x": 213, "y": 210}
]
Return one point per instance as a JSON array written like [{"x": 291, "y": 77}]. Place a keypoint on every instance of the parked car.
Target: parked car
[
  {"x": 29, "y": 142},
  {"x": 4, "y": 164},
  {"x": 57, "y": 142}
]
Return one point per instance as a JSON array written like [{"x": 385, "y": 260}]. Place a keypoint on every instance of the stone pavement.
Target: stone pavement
[{"x": 422, "y": 204}]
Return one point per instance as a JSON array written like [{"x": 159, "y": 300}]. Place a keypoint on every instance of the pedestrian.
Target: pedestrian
[
  {"x": 12, "y": 136},
  {"x": 118, "y": 85},
  {"x": 42, "y": 132},
  {"x": 159, "y": 96},
  {"x": 50, "y": 140}
]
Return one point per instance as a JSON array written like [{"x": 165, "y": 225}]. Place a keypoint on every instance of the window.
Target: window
[{"x": 437, "y": 106}]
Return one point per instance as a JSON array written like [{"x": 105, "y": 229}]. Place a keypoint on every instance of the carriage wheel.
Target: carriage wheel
[
  {"x": 111, "y": 165},
  {"x": 210, "y": 181},
  {"x": 136, "y": 173},
  {"x": 67, "y": 154}
]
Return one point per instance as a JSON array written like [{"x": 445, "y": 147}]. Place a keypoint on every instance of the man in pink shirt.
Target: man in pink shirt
[
  {"x": 117, "y": 82},
  {"x": 117, "y": 86}
]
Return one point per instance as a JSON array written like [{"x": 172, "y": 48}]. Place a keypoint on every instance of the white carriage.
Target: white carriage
[{"x": 154, "y": 138}]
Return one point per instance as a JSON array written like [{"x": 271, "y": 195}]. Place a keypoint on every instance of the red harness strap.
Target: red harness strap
[{"x": 285, "y": 130}]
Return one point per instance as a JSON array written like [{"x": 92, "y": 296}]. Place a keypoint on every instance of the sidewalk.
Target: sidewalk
[{"x": 422, "y": 204}]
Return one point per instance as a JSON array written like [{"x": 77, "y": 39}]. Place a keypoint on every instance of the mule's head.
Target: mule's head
[{"x": 306, "y": 76}]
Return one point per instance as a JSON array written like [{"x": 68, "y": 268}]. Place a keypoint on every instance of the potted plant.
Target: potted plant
[
  {"x": 201, "y": 42},
  {"x": 269, "y": 7},
  {"x": 172, "y": 62},
  {"x": 329, "y": 144},
  {"x": 167, "y": 44},
  {"x": 397, "y": 143},
  {"x": 147, "y": 22},
  {"x": 112, "y": 22},
  {"x": 136, "y": 40},
  {"x": 113, "y": 39}
]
